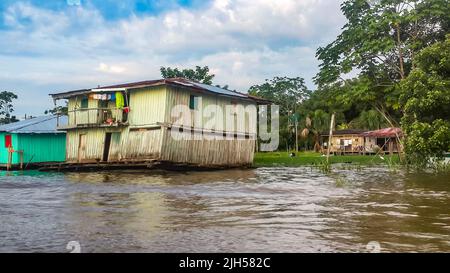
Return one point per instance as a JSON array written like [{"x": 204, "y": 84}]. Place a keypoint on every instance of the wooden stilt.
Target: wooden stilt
[
  {"x": 8, "y": 165},
  {"x": 21, "y": 159}
]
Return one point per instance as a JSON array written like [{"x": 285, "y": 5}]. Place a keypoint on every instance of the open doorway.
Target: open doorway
[{"x": 107, "y": 147}]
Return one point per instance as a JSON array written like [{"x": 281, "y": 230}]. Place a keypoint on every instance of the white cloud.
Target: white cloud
[
  {"x": 243, "y": 42},
  {"x": 114, "y": 69}
]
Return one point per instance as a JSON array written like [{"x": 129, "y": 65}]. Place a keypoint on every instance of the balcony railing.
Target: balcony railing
[{"x": 96, "y": 117}]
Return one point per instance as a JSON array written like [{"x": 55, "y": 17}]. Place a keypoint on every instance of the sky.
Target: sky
[{"x": 62, "y": 45}]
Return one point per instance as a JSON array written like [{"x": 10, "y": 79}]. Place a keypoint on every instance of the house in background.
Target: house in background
[
  {"x": 32, "y": 141},
  {"x": 353, "y": 141},
  {"x": 131, "y": 123},
  {"x": 344, "y": 141},
  {"x": 385, "y": 139}
]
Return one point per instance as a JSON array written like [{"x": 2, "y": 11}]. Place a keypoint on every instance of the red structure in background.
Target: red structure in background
[
  {"x": 8, "y": 141},
  {"x": 384, "y": 133}
]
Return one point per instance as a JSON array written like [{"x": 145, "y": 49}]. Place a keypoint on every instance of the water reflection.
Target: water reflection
[{"x": 267, "y": 209}]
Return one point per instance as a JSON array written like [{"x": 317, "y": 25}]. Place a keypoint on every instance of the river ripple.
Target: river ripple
[{"x": 261, "y": 210}]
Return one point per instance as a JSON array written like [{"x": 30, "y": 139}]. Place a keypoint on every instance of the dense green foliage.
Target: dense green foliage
[
  {"x": 425, "y": 99},
  {"x": 389, "y": 66},
  {"x": 379, "y": 41},
  {"x": 288, "y": 94}
]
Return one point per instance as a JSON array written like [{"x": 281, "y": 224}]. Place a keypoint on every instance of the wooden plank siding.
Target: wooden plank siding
[
  {"x": 95, "y": 138},
  {"x": 147, "y": 135},
  {"x": 357, "y": 143},
  {"x": 242, "y": 120},
  {"x": 143, "y": 144},
  {"x": 91, "y": 115},
  {"x": 147, "y": 106},
  {"x": 208, "y": 152}
]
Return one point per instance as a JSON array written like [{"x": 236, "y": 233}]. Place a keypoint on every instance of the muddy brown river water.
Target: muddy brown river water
[{"x": 260, "y": 210}]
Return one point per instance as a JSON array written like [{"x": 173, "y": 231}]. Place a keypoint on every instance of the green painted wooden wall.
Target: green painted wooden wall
[{"x": 36, "y": 148}]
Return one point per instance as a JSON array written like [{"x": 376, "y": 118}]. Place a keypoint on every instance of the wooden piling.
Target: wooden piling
[
  {"x": 21, "y": 159},
  {"x": 8, "y": 165}
]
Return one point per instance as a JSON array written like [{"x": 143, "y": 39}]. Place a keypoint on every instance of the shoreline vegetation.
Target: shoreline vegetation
[
  {"x": 314, "y": 159},
  {"x": 271, "y": 159}
]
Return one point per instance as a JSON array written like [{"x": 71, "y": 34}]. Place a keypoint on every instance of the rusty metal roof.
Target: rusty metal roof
[
  {"x": 178, "y": 82},
  {"x": 385, "y": 132}
]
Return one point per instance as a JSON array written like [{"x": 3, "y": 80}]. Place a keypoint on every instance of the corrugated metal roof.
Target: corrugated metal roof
[
  {"x": 37, "y": 125},
  {"x": 219, "y": 90},
  {"x": 132, "y": 85},
  {"x": 385, "y": 132},
  {"x": 344, "y": 132},
  {"x": 172, "y": 81}
]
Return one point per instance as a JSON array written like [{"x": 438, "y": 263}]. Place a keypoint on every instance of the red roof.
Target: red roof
[{"x": 385, "y": 132}]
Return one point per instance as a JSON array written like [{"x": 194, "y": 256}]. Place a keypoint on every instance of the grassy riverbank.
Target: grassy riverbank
[{"x": 311, "y": 158}]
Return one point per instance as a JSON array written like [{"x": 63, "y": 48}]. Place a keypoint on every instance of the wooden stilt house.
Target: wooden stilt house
[{"x": 134, "y": 122}]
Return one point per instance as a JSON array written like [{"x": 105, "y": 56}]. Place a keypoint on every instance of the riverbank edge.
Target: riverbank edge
[{"x": 283, "y": 159}]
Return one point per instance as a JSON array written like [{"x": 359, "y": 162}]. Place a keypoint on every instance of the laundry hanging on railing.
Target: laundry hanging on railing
[
  {"x": 110, "y": 97},
  {"x": 101, "y": 96},
  {"x": 120, "y": 101}
]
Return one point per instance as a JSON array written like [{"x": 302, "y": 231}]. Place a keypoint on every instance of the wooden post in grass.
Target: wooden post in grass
[
  {"x": 330, "y": 137},
  {"x": 296, "y": 135},
  {"x": 9, "y": 164}
]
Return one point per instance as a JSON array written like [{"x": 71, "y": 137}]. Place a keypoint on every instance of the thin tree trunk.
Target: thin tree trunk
[
  {"x": 400, "y": 52},
  {"x": 296, "y": 136}
]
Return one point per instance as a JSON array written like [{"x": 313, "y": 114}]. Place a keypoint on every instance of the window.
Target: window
[
  {"x": 8, "y": 141},
  {"x": 102, "y": 104},
  {"x": 193, "y": 102},
  {"x": 84, "y": 102}
]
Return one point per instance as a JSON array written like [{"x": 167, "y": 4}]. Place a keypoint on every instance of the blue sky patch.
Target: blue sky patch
[{"x": 112, "y": 9}]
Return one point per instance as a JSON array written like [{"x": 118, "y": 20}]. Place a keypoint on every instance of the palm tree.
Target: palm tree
[
  {"x": 370, "y": 120},
  {"x": 316, "y": 123}
]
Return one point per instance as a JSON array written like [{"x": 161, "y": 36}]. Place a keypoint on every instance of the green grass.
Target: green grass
[{"x": 311, "y": 158}]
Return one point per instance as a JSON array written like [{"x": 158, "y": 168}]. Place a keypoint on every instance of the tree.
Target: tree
[
  {"x": 6, "y": 107},
  {"x": 199, "y": 74},
  {"x": 369, "y": 120},
  {"x": 382, "y": 37},
  {"x": 286, "y": 92},
  {"x": 316, "y": 123},
  {"x": 226, "y": 87},
  {"x": 425, "y": 98},
  {"x": 379, "y": 42},
  {"x": 57, "y": 110}
]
